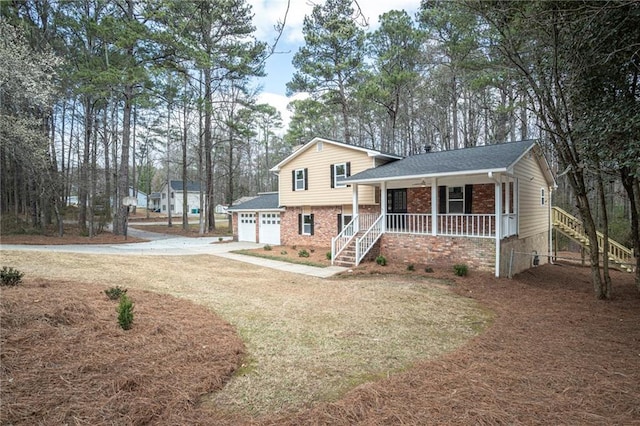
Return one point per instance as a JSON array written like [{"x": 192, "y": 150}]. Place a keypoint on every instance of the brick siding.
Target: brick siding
[
  {"x": 477, "y": 253},
  {"x": 483, "y": 202}
]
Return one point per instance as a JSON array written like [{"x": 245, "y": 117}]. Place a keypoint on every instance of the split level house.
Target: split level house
[{"x": 476, "y": 206}]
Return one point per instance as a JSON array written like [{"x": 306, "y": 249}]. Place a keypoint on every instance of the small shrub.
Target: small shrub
[
  {"x": 312, "y": 250},
  {"x": 381, "y": 260},
  {"x": 428, "y": 269},
  {"x": 294, "y": 247},
  {"x": 114, "y": 293},
  {"x": 267, "y": 247},
  {"x": 10, "y": 276},
  {"x": 283, "y": 252},
  {"x": 328, "y": 255},
  {"x": 303, "y": 253},
  {"x": 411, "y": 267},
  {"x": 461, "y": 270},
  {"x": 125, "y": 312},
  {"x": 220, "y": 239}
]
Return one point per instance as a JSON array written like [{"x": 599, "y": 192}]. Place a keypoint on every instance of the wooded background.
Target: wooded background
[{"x": 99, "y": 96}]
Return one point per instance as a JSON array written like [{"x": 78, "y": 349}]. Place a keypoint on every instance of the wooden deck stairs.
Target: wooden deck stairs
[{"x": 619, "y": 255}]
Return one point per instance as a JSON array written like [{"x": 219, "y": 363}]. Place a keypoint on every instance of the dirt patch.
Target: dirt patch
[
  {"x": 65, "y": 360},
  {"x": 295, "y": 254}
]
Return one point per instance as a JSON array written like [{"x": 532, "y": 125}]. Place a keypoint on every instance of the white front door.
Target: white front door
[
  {"x": 270, "y": 228},
  {"x": 247, "y": 227}
]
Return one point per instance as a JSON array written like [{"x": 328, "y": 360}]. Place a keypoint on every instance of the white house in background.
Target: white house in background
[
  {"x": 221, "y": 209},
  {"x": 173, "y": 198}
]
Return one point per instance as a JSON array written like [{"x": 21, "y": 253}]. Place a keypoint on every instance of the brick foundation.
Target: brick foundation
[{"x": 477, "y": 253}]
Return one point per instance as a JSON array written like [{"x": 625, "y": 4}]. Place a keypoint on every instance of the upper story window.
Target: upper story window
[
  {"x": 455, "y": 199},
  {"x": 543, "y": 197},
  {"x": 339, "y": 171},
  {"x": 299, "y": 180}
]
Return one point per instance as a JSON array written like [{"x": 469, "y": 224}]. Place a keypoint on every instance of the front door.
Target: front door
[{"x": 396, "y": 203}]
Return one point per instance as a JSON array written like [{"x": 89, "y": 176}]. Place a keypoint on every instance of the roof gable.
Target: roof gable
[
  {"x": 264, "y": 201},
  {"x": 480, "y": 159},
  {"x": 314, "y": 141}
]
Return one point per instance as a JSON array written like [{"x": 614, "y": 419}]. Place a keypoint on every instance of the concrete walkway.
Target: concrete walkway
[{"x": 171, "y": 245}]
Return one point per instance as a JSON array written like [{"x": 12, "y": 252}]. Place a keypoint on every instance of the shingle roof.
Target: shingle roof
[
  {"x": 176, "y": 185},
  {"x": 267, "y": 201},
  {"x": 460, "y": 161}
]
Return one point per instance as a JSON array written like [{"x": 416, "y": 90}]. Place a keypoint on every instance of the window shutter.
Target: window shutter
[
  {"x": 339, "y": 223},
  {"x": 468, "y": 197},
  {"x": 348, "y": 168},
  {"x": 311, "y": 215},
  {"x": 333, "y": 175},
  {"x": 299, "y": 224},
  {"x": 442, "y": 199},
  {"x": 293, "y": 180},
  {"x": 306, "y": 179}
]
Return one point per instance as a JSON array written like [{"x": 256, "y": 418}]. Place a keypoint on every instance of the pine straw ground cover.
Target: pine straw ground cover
[
  {"x": 552, "y": 354},
  {"x": 65, "y": 360}
]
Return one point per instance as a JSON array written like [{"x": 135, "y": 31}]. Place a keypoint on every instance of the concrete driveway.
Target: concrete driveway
[{"x": 171, "y": 245}]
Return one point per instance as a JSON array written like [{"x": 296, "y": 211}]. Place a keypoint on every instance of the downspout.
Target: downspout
[
  {"x": 549, "y": 209},
  {"x": 498, "y": 214}
]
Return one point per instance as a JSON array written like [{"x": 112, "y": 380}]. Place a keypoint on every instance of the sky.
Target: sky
[{"x": 279, "y": 69}]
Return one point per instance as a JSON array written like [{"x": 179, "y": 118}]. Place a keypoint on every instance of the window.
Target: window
[
  {"x": 455, "y": 199},
  {"x": 164, "y": 195},
  {"x": 338, "y": 172},
  {"x": 542, "y": 197},
  {"x": 164, "y": 207},
  {"x": 173, "y": 195},
  {"x": 319, "y": 146},
  {"x": 305, "y": 224},
  {"x": 299, "y": 180}
]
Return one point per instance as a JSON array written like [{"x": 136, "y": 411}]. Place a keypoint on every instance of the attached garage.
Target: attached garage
[
  {"x": 247, "y": 227},
  {"x": 270, "y": 228},
  {"x": 259, "y": 216}
]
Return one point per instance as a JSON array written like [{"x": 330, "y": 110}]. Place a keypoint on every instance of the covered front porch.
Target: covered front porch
[{"x": 477, "y": 206}]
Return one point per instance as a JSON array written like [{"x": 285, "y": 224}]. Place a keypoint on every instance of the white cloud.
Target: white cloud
[{"x": 280, "y": 102}]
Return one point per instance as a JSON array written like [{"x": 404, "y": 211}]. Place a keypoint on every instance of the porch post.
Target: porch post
[
  {"x": 498, "y": 213},
  {"x": 434, "y": 206},
  {"x": 354, "y": 205},
  {"x": 383, "y": 205}
]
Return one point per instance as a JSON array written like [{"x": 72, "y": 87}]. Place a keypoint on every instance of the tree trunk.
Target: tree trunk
[
  {"x": 632, "y": 187},
  {"x": 605, "y": 232}
]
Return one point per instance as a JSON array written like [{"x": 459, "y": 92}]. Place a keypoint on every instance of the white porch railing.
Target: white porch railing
[
  {"x": 342, "y": 240},
  {"x": 459, "y": 225},
  {"x": 368, "y": 239}
]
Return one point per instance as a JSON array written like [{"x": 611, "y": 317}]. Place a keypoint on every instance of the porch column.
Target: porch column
[
  {"x": 383, "y": 205},
  {"x": 434, "y": 206},
  {"x": 354, "y": 205},
  {"x": 498, "y": 220}
]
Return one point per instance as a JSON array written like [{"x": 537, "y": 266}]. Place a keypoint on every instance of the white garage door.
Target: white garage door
[
  {"x": 247, "y": 227},
  {"x": 270, "y": 228}
]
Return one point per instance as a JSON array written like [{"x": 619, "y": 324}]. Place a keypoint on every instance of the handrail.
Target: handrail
[
  {"x": 368, "y": 239},
  {"x": 617, "y": 251},
  {"x": 342, "y": 240}
]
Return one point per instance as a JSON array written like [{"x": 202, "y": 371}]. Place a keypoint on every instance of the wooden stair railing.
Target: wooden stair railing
[{"x": 572, "y": 227}]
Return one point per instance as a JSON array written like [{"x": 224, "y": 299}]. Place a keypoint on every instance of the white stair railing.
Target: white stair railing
[
  {"x": 368, "y": 239},
  {"x": 342, "y": 240}
]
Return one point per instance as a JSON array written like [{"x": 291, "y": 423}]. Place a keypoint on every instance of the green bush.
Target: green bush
[
  {"x": 328, "y": 255},
  {"x": 411, "y": 267},
  {"x": 10, "y": 276},
  {"x": 381, "y": 260},
  {"x": 460, "y": 269},
  {"x": 125, "y": 312},
  {"x": 114, "y": 293},
  {"x": 303, "y": 253},
  {"x": 267, "y": 247}
]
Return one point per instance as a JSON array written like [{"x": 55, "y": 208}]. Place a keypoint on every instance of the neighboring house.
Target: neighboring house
[
  {"x": 175, "y": 196},
  {"x": 221, "y": 209},
  {"x": 488, "y": 202},
  {"x": 141, "y": 198},
  {"x": 154, "y": 201}
]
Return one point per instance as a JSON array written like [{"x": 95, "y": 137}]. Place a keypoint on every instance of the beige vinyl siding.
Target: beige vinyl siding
[
  {"x": 534, "y": 217},
  {"x": 319, "y": 192}
]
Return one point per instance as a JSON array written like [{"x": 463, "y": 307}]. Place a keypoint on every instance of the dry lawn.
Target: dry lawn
[{"x": 307, "y": 340}]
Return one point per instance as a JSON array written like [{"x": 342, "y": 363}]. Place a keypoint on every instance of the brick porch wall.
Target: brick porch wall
[
  {"x": 419, "y": 199},
  {"x": 234, "y": 225},
  {"x": 325, "y": 224},
  {"x": 477, "y": 253}
]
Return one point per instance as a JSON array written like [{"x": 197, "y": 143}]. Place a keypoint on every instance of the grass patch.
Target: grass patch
[{"x": 282, "y": 258}]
